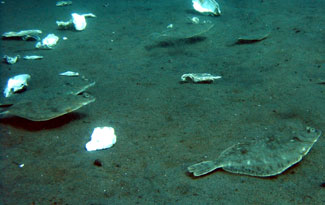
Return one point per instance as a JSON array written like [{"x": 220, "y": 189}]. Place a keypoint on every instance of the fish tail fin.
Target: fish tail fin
[{"x": 202, "y": 168}]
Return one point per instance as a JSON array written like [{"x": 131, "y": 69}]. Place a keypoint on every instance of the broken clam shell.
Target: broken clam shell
[
  {"x": 70, "y": 73},
  {"x": 48, "y": 42},
  {"x": 64, "y": 24},
  {"x": 101, "y": 138},
  {"x": 11, "y": 60},
  {"x": 207, "y": 7},
  {"x": 16, "y": 84},
  {"x": 199, "y": 77},
  {"x": 24, "y": 34},
  {"x": 194, "y": 20},
  {"x": 33, "y": 57},
  {"x": 63, "y": 3},
  {"x": 78, "y": 21}
]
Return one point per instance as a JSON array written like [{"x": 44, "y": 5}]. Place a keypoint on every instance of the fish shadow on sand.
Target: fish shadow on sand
[
  {"x": 33, "y": 126},
  {"x": 170, "y": 43}
]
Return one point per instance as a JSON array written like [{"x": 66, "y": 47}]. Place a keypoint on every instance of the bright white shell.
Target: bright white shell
[
  {"x": 48, "y": 42},
  {"x": 79, "y": 21},
  {"x": 207, "y": 6},
  {"x": 33, "y": 57},
  {"x": 70, "y": 73},
  {"x": 199, "y": 77},
  {"x": 11, "y": 60},
  {"x": 15, "y": 84},
  {"x": 63, "y": 3},
  {"x": 102, "y": 138}
]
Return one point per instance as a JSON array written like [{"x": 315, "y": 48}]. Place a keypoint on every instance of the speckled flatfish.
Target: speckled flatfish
[
  {"x": 267, "y": 157},
  {"x": 184, "y": 30},
  {"x": 73, "y": 87},
  {"x": 42, "y": 109}
]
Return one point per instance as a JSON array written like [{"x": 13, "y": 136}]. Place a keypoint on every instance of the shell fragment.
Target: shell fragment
[
  {"x": 78, "y": 21},
  {"x": 48, "y": 42},
  {"x": 199, "y": 77},
  {"x": 63, "y": 3},
  {"x": 11, "y": 60},
  {"x": 16, "y": 84},
  {"x": 64, "y": 24},
  {"x": 24, "y": 34},
  {"x": 70, "y": 73},
  {"x": 91, "y": 15},
  {"x": 207, "y": 7},
  {"x": 33, "y": 57},
  {"x": 194, "y": 20},
  {"x": 101, "y": 138}
]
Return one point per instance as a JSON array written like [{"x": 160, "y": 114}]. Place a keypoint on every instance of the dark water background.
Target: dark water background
[{"x": 163, "y": 126}]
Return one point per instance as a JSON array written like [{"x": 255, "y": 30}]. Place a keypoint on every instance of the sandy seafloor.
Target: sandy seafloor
[{"x": 163, "y": 126}]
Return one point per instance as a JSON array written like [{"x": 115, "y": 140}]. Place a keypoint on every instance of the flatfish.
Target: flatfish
[
  {"x": 41, "y": 109},
  {"x": 43, "y": 104},
  {"x": 262, "y": 158},
  {"x": 184, "y": 30}
]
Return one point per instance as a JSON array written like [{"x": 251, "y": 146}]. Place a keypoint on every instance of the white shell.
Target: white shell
[
  {"x": 33, "y": 57},
  {"x": 11, "y": 60},
  {"x": 48, "y": 42},
  {"x": 79, "y": 21},
  {"x": 195, "y": 20},
  {"x": 70, "y": 73},
  {"x": 101, "y": 138},
  {"x": 199, "y": 77},
  {"x": 15, "y": 84},
  {"x": 22, "y": 33},
  {"x": 89, "y": 15},
  {"x": 63, "y": 3},
  {"x": 64, "y": 24},
  {"x": 207, "y": 6}
]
